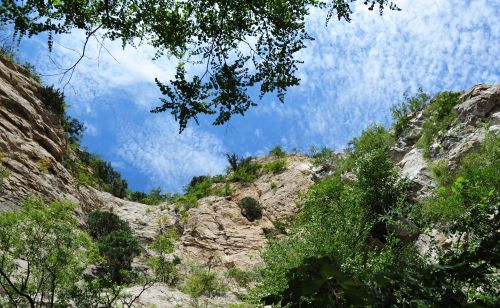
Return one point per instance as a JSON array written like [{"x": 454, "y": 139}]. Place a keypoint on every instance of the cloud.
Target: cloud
[
  {"x": 167, "y": 158},
  {"x": 104, "y": 71},
  {"x": 353, "y": 72}
]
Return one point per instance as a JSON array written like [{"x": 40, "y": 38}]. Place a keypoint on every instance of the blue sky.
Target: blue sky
[{"x": 352, "y": 74}]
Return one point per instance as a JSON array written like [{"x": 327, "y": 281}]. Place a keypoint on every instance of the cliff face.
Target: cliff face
[
  {"x": 478, "y": 113},
  {"x": 33, "y": 147}
]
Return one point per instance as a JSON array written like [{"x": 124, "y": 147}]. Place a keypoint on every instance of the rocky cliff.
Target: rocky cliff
[{"x": 33, "y": 146}]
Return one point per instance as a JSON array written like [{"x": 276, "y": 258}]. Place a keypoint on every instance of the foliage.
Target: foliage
[
  {"x": 330, "y": 248},
  {"x": 53, "y": 100},
  {"x": 101, "y": 223},
  {"x": 275, "y": 166},
  {"x": 278, "y": 152},
  {"x": 322, "y": 156},
  {"x": 42, "y": 254},
  {"x": 3, "y": 174},
  {"x": 246, "y": 171},
  {"x": 117, "y": 245},
  {"x": 240, "y": 277},
  {"x": 203, "y": 282},
  {"x": 119, "y": 249},
  {"x": 163, "y": 268},
  {"x": 154, "y": 197},
  {"x": 206, "y": 34},
  {"x": 439, "y": 116},
  {"x": 233, "y": 160},
  {"x": 43, "y": 166},
  {"x": 343, "y": 248},
  {"x": 250, "y": 208},
  {"x": 402, "y": 113},
  {"x": 74, "y": 129}
]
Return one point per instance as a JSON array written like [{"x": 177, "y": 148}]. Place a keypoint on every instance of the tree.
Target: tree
[
  {"x": 238, "y": 43},
  {"x": 42, "y": 254}
]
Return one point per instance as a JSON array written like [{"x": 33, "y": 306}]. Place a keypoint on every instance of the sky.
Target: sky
[{"x": 352, "y": 74}]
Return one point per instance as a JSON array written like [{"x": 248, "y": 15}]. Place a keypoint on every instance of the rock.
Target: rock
[
  {"x": 217, "y": 229},
  {"x": 479, "y": 101}
]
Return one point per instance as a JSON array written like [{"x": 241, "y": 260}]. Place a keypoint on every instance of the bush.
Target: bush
[
  {"x": 439, "y": 116},
  {"x": 56, "y": 253},
  {"x": 53, "y": 100},
  {"x": 101, "y": 223},
  {"x": 402, "y": 113},
  {"x": 43, "y": 166},
  {"x": 241, "y": 277},
  {"x": 246, "y": 172},
  {"x": 321, "y": 157},
  {"x": 117, "y": 245},
  {"x": 278, "y": 152},
  {"x": 3, "y": 174},
  {"x": 251, "y": 208},
  {"x": 119, "y": 248},
  {"x": 154, "y": 197},
  {"x": 275, "y": 166},
  {"x": 74, "y": 129},
  {"x": 163, "y": 268},
  {"x": 202, "y": 282}
]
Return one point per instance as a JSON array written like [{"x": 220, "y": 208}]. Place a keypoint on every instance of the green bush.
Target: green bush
[
  {"x": 53, "y": 100},
  {"x": 240, "y": 277},
  {"x": 411, "y": 104},
  {"x": 275, "y": 166},
  {"x": 101, "y": 223},
  {"x": 250, "y": 208},
  {"x": 439, "y": 117},
  {"x": 202, "y": 282},
  {"x": 43, "y": 166},
  {"x": 154, "y": 197},
  {"x": 321, "y": 157},
  {"x": 163, "y": 268},
  {"x": 119, "y": 248},
  {"x": 278, "y": 152},
  {"x": 3, "y": 174},
  {"x": 74, "y": 129},
  {"x": 117, "y": 245},
  {"x": 56, "y": 253},
  {"x": 246, "y": 172}
]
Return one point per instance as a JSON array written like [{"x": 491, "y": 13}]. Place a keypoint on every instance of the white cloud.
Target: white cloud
[
  {"x": 167, "y": 158},
  {"x": 353, "y": 72},
  {"x": 105, "y": 72}
]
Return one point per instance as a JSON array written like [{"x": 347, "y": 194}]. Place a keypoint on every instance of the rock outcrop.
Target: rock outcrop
[
  {"x": 478, "y": 113},
  {"x": 33, "y": 147},
  {"x": 217, "y": 230}
]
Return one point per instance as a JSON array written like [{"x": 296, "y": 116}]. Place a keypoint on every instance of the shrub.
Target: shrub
[
  {"x": 117, "y": 245},
  {"x": 53, "y": 100},
  {"x": 101, "y": 223},
  {"x": 74, "y": 129},
  {"x": 439, "y": 116},
  {"x": 246, "y": 172},
  {"x": 119, "y": 248},
  {"x": 56, "y": 253},
  {"x": 250, "y": 208},
  {"x": 233, "y": 160},
  {"x": 154, "y": 197},
  {"x": 241, "y": 277},
  {"x": 278, "y": 152},
  {"x": 202, "y": 282},
  {"x": 163, "y": 268},
  {"x": 411, "y": 104},
  {"x": 200, "y": 186},
  {"x": 275, "y": 166},
  {"x": 3, "y": 174},
  {"x": 321, "y": 157},
  {"x": 43, "y": 166}
]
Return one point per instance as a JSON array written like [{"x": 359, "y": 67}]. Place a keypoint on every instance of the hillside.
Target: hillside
[{"x": 212, "y": 229}]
